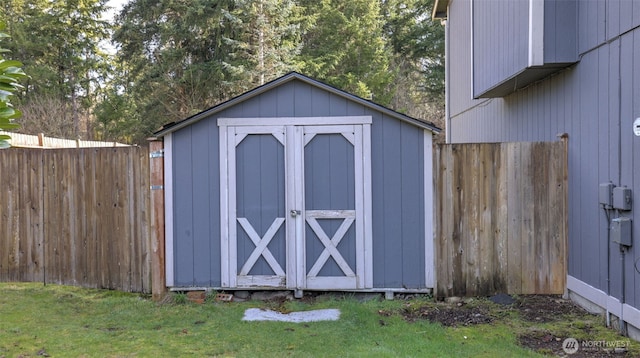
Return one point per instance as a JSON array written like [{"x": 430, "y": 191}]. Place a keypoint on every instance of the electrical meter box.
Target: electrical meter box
[
  {"x": 622, "y": 198},
  {"x": 621, "y": 231},
  {"x": 605, "y": 194}
]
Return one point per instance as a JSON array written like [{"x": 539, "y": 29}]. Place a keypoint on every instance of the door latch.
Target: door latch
[{"x": 295, "y": 213}]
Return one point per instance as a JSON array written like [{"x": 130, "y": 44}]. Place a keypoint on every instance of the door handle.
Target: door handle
[{"x": 295, "y": 213}]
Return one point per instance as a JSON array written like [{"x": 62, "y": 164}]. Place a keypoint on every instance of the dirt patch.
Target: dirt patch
[
  {"x": 546, "y": 308},
  {"x": 533, "y": 311},
  {"x": 450, "y": 316},
  {"x": 546, "y": 342},
  {"x": 532, "y": 308},
  {"x": 549, "y": 308},
  {"x": 542, "y": 342}
]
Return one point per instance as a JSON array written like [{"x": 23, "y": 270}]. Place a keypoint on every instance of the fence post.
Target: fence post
[
  {"x": 156, "y": 173},
  {"x": 564, "y": 138}
]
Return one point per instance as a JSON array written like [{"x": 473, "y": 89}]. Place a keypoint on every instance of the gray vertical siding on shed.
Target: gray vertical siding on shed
[
  {"x": 397, "y": 172},
  {"x": 196, "y": 205},
  {"x": 595, "y": 102},
  {"x": 398, "y": 216},
  {"x": 329, "y": 173}
]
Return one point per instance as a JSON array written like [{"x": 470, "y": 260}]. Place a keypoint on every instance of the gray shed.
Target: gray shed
[{"x": 298, "y": 185}]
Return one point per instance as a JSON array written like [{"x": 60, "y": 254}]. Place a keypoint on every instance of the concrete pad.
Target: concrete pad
[{"x": 257, "y": 314}]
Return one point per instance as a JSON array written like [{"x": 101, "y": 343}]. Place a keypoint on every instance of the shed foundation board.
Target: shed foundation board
[{"x": 418, "y": 291}]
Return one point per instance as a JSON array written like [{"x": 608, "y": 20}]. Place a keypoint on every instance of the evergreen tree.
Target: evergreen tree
[
  {"x": 269, "y": 38},
  {"x": 417, "y": 47},
  {"x": 415, "y": 37},
  {"x": 184, "y": 56},
  {"x": 177, "y": 58},
  {"x": 59, "y": 42},
  {"x": 347, "y": 48}
]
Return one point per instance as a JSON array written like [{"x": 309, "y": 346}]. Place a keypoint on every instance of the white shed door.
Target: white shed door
[{"x": 295, "y": 203}]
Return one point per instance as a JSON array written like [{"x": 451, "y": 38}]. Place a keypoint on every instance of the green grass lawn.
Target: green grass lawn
[{"x": 59, "y": 321}]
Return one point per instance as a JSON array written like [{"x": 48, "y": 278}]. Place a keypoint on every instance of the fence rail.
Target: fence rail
[
  {"x": 76, "y": 216},
  {"x": 501, "y": 223},
  {"x": 20, "y": 140}
]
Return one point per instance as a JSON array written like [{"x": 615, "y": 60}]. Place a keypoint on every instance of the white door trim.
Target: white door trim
[
  {"x": 362, "y": 178},
  {"x": 230, "y": 137},
  {"x": 295, "y": 208},
  {"x": 294, "y": 133}
]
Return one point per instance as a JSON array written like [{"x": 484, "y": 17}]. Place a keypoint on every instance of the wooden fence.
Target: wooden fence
[
  {"x": 501, "y": 218},
  {"x": 82, "y": 217},
  {"x": 76, "y": 216}
]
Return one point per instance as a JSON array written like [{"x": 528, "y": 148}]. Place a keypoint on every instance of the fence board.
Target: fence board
[
  {"x": 141, "y": 254},
  {"x": 458, "y": 280},
  {"x": 471, "y": 254},
  {"x": 89, "y": 222},
  {"x": 9, "y": 219},
  {"x": 527, "y": 241},
  {"x": 501, "y": 218},
  {"x": 53, "y": 205},
  {"x": 514, "y": 224},
  {"x": 558, "y": 228},
  {"x": 76, "y": 216},
  {"x": 541, "y": 226},
  {"x": 31, "y": 162},
  {"x": 501, "y": 222}
]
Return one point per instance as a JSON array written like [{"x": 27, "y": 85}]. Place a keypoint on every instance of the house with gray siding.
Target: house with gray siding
[
  {"x": 529, "y": 70},
  {"x": 297, "y": 185}
]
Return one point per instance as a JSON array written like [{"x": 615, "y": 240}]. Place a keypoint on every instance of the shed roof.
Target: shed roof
[{"x": 174, "y": 126}]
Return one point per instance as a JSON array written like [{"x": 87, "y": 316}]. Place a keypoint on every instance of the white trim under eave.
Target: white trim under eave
[
  {"x": 625, "y": 312},
  {"x": 295, "y": 121},
  {"x": 536, "y": 33},
  {"x": 168, "y": 208}
]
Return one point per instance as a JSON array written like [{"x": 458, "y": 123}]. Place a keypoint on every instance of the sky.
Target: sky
[{"x": 116, "y": 5}]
